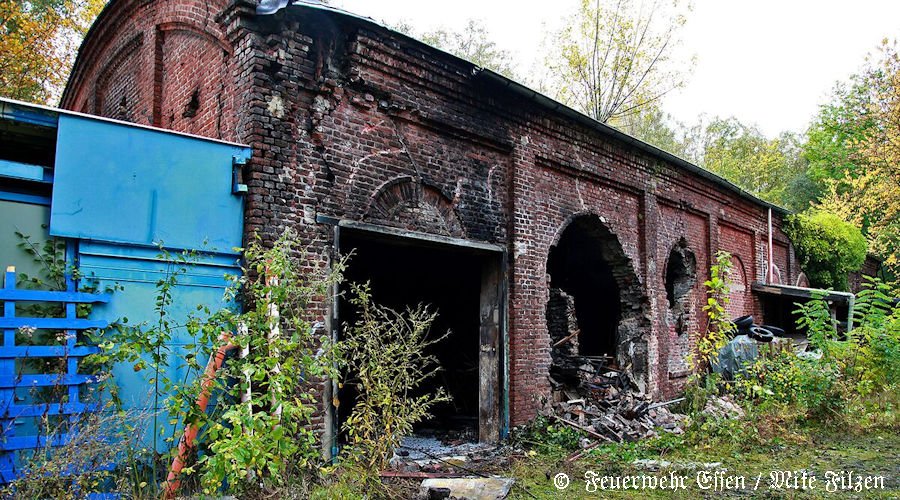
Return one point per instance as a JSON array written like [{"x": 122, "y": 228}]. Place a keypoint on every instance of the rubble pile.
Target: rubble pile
[
  {"x": 625, "y": 417},
  {"x": 723, "y": 408},
  {"x": 608, "y": 407},
  {"x": 434, "y": 456}
]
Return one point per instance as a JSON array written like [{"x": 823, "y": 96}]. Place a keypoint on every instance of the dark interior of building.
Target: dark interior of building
[
  {"x": 578, "y": 266},
  {"x": 681, "y": 274},
  {"x": 403, "y": 273}
]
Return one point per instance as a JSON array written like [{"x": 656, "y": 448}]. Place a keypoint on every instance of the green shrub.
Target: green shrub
[
  {"x": 547, "y": 437},
  {"x": 828, "y": 247},
  {"x": 386, "y": 354},
  {"x": 850, "y": 378}
]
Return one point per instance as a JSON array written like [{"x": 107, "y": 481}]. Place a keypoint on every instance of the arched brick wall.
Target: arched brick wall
[
  {"x": 162, "y": 63},
  {"x": 337, "y": 109}
]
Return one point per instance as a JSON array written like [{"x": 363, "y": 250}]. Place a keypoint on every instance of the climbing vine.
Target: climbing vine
[{"x": 719, "y": 327}]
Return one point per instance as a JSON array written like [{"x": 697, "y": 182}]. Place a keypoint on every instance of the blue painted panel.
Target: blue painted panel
[
  {"x": 44, "y": 296},
  {"x": 28, "y": 114},
  {"x": 16, "y": 170},
  {"x": 53, "y": 323},
  {"x": 138, "y": 269},
  {"x": 31, "y": 199},
  {"x": 125, "y": 184},
  {"x": 46, "y": 351}
]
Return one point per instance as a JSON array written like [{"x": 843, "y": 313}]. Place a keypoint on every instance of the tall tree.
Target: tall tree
[
  {"x": 614, "y": 57},
  {"x": 38, "y": 43}
]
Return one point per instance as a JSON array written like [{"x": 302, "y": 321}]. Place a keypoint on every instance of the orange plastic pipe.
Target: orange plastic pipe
[{"x": 186, "y": 443}]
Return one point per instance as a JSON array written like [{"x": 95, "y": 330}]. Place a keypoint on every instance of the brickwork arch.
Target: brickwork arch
[
  {"x": 165, "y": 63},
  {"x": 407, "y": 203}
]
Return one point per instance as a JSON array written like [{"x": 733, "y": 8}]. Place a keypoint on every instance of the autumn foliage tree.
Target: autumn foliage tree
[
  {"x": 854, "y": 153},
  {"x": 38, "y": 43}
]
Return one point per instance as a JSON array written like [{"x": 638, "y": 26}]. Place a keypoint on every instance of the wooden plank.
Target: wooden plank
[
  {"x": 47, "y": 351},
  {"x": 415, "y": 235},
  {"x": 47, "y": 409},
  {"x": 53, "y": 323},
  {"x": 490, "y": 353},
  {"x": 47, "y": 380},
  {"x": 53, "y": 296},
  {"x": 801, "y": 292},
  {"x": 582, "y": 429}
]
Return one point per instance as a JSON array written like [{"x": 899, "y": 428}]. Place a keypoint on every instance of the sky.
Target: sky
[{"x": 765, "y": 62}]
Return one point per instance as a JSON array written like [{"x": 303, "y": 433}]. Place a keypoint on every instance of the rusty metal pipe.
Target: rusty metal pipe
[{"x": 186, "y": 443}]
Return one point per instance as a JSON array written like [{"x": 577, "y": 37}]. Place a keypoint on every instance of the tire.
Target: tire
[
  {"x": 743, "y": 323},
  {"x": 778, "y": 332},
  {"x": 760, "y": 334}
]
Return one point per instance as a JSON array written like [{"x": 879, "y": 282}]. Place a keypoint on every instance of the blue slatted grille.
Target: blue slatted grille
[{"x": 15, "y": 408}]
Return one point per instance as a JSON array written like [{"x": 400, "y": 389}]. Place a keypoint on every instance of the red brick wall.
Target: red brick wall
[
  {"x": 871, "y": 267},
  {"x": 163, "y": 63},
  {"x": 350, "y": 121}
]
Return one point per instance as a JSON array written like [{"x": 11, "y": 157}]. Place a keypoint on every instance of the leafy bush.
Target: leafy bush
[
  {"x": 544, "y": 436},
  {"x": 719, "y": 327},
  {"x": 785, "y": 379},
  {"x": 101, "y": 454},
  {"x": 386, "y": 354},
  {"x": 265, "y": 435},
  {"x": 259, "y": 437},
  {"x": 828, "y": 247}
]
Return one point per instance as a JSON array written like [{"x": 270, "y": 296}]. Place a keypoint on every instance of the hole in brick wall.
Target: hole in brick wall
[
  {"x": 193, "y": 105},
  {"x": 594, "y": 312},
  {"x": 122, "y": 110},
  {"x": 681, "y": 274},
  {"x": 403, "y": 274}
]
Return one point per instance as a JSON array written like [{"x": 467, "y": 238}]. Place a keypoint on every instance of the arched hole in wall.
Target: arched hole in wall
[
  {"x": 594, "y": 312},
  {"x": 681, "y": 274}
]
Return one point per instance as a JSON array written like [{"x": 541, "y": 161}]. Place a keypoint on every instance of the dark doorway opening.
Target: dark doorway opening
[
  {"x": 681, "y": 274},
  {"x": 404, "y": 272}
]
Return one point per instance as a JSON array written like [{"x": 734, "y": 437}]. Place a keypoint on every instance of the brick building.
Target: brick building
[{"x": 454, "y": 185}]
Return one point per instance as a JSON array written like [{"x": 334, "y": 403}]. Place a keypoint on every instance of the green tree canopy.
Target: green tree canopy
[
  {"x": 853, "y": 149},
  {"x": 827, "y": 246},
  {"x": 769, "y": 168}
]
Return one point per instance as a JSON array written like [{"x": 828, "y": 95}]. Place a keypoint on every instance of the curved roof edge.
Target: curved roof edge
[
  {"x": 104, "y": 13},
  {"x": 269, "y": 7}
]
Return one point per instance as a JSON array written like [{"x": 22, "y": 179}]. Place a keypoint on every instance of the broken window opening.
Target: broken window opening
[{"x": 681, "y": 274}]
